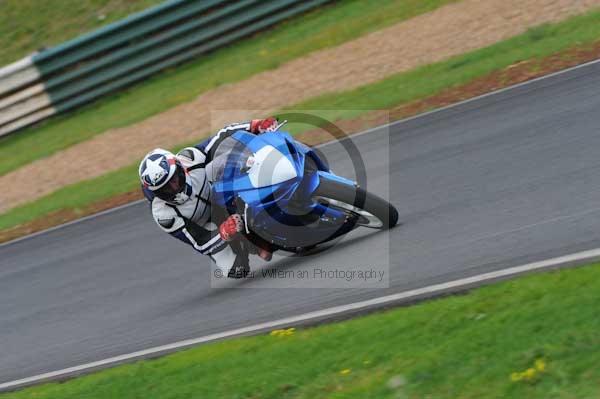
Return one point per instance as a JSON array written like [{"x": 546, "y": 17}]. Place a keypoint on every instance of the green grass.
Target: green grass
[
  {"x": 27, "y": 25},
  {"x": 398, "y": 89},
  {"x": 74, "y": 197},
  {"x": 464, "y": 346},
  {"x": 324, "y": 27}
]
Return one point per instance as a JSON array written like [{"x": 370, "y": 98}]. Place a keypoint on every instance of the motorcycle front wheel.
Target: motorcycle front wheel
[{"x": 370, "y": 210}]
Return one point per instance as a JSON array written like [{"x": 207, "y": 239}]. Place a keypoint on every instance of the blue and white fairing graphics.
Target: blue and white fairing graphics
[{"x": 275, "y": 177}]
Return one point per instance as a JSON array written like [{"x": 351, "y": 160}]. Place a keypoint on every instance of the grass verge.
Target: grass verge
[
  {"x": 534, "y": 337},
  {"x": 26, "y": 25},
  {"x": 561, "y": 42},
  {"x": 325, "y": 27}
]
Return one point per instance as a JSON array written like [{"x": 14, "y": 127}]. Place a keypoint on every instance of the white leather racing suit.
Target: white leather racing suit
[{"x": 195, "y": 222}]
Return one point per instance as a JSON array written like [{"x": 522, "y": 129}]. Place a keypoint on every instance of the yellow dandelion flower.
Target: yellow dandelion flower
[
  {"x": 282, "y": 333},
  {"x": 540, "y": 365},
  {"x": 530, "y": 373},
  {"x": 345, "y": 371}
]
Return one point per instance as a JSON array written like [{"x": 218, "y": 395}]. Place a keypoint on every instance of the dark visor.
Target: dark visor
[{"x": 174, "y": 186}]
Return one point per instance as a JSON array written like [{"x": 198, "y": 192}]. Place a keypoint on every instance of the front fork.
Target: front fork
[{"x": 343, "y": 221}]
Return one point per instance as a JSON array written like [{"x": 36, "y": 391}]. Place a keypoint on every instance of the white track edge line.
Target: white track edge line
[
  {"x": 319, "y": 314},
  {"x": 422, "y": 115}
]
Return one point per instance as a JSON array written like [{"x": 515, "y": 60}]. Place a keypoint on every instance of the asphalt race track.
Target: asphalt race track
[{"x": 506, "y": 179}]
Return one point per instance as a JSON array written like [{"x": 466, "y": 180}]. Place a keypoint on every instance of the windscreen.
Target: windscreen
[{"x": 231, "y": 155}]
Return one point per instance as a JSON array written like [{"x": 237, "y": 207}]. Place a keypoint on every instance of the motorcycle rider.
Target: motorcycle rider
[{"x": 179, "y": 192}]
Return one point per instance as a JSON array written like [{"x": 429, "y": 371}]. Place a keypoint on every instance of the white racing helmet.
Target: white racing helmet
[{"x": 162, "y": 173}]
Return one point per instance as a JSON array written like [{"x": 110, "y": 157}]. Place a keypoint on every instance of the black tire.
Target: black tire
[{"x": 359, "y": 198}]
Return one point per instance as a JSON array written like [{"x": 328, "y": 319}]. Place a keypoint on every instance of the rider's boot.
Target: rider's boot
[
  {"x": 239, "y": 271},
  {"x": 241, "y": 265}
]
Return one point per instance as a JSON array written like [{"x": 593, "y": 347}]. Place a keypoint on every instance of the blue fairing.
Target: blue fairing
[{"x": 274, "y": 209}]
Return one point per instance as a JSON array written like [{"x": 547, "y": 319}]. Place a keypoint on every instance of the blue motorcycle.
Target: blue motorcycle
[{"x": 287, "y": 194}]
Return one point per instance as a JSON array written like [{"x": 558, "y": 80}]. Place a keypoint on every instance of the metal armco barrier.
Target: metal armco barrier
[{"x": 102, "y": 61}]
